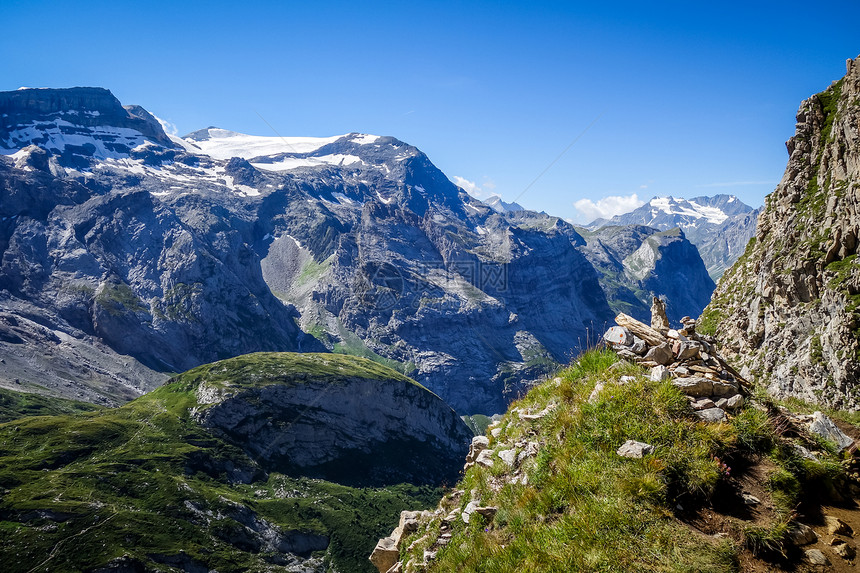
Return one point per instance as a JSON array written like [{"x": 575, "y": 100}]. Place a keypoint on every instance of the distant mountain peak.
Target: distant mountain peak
[{"x": 496, "y": 204}]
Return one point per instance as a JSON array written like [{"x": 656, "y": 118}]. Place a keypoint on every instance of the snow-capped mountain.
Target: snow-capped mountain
[
  {"x": 126, "y": 253},
  {"x": 719, "y": 226}
]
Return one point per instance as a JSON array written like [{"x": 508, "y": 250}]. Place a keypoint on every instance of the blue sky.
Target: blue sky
[{"x": 657, "y": 98}]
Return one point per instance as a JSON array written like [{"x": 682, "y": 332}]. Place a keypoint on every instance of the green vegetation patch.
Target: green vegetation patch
[
  {"x": 14, "y": 405},
  {"x": 267, "y": 368},
  {"x": 117, "y": 298},
  {"x": 145, "y": 479}
]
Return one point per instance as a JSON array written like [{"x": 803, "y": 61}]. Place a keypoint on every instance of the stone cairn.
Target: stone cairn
[{"x": 690, "y": 360}]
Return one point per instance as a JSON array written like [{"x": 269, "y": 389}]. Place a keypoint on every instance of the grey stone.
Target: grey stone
[
  {"x": 816, "y": 557},
  {"x": 634, "y": 449},
  {"x": 712, "y": 415},
  {"x": 595, "y": 394},
  {"x": 802, "y": 534},
  {"x": 695, "y": 386},
  {"x": 750, "y": 499},
  {"x": 639, "y": 346},
  {"x": 723, "y": 389},
  {"x": 703, "y": 404},
  {"x": 660, "y": 354},
  {"x": 735, "y": 402}
]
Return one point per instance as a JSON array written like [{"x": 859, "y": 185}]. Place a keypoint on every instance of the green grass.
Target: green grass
[
  {"x": 587, "y": 509},
  {"x": 146, "y": 479},
  {"x": 14, "y": 405}
]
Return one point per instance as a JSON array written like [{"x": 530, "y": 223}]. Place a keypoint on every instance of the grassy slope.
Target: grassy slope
[
  {"x": 15, "y": 405},
  {"x": 587, "y": 509},
  {"x": 126, "y": 481}
]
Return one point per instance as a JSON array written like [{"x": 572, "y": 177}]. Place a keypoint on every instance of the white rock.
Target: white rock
[
  {"x": 712, "y": 415},
  {"x": 508, "y": 456},
  {"x": 626, "y": 380},
  {"x": 485, "y": 458},
  {"x": 750, "y": 499},
  {"x": 823, "y": 426},
  {"x": 496, "y": 432},
  {"x": 634, "y": 449},
  {"x": 660, "y": 373},
  {"x": 469, "y": 510},
  {"x": 618, "y": 335},
  {"x": 595, "y": 394},
  {"x": 385, "y": 554}
]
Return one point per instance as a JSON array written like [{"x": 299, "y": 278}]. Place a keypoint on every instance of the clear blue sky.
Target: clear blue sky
[{"x": 689, "y": 98}]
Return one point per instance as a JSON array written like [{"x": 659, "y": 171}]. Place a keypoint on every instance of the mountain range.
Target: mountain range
[
  {"x": 720, "y": 226},
  {"x": 127, "y": 254}
]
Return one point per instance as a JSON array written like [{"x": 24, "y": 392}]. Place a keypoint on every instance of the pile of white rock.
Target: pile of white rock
[{"x": 691, "y": 361}]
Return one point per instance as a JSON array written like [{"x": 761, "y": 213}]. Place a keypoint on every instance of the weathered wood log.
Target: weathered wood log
[{"x": 640, "y": 329}]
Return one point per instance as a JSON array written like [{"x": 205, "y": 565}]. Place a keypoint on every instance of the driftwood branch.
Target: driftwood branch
[{"x": 640, "y": 329}]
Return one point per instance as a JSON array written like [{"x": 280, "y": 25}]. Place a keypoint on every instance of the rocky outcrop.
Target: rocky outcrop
[
  {"x": 635, "y": 262},
  {"x": 787, "y": 310},
  {"x": 337, "y": 418}
]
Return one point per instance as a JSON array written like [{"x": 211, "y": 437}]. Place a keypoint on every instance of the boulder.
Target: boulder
[
  {"x": 660, "y": 373},
  {"x": 802, "y": 534},
  {"x": 634, "y": 449},
  {"x": 735, "y": 402},
  {"x": 824, "y": 427},
  {"x": 712, "y": 415},
  {"x": 723, "y": 389},
  {"x": 618, "y": 335},
  {"x": 661, "y": 354},
  {"x": 816, "y": 557},
  {"x": 479, "y": 444},
  {"x": 485, "y": 458},
  {"x": 695, "y": 385},
  {"x": 703, "y": 404},
  {"x": 508, "y": 457},
  {"x": 836, "y": 526},
  {"x": 385, "y": 554}
]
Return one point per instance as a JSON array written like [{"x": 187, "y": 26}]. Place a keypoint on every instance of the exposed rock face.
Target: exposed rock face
[
  {"x": 636, "y": 262},
  {"x": 300, "y": 417},
  {"x": 788, "y": 308}
]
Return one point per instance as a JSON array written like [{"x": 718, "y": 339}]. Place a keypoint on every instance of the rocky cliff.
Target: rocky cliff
[
  {"x": 636, "y": 262},
  {"x": 788, "y": 309}
]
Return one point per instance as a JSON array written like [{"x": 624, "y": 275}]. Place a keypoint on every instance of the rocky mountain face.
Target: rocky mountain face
[
  {"x": 636, "y": 262},
  {"x": 126, "y": 253},
  {"x": 210, "y": 472},
  {"x": 302, "y": 414},
  {"x": 788, "y": 309},
  {"x": 719, "y": 226}
]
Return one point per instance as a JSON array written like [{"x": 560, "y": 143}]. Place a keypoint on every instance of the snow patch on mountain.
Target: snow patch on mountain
[
  {"x": 672, "y": 206},
  {"x": 224, "y": 144}
]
